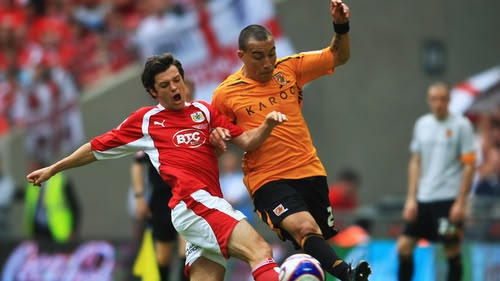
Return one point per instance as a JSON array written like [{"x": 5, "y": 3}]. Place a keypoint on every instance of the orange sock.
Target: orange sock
[{"x": 266, "y": 271}]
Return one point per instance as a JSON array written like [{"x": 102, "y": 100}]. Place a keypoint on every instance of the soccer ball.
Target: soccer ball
[{"x": 301, "y": 267}]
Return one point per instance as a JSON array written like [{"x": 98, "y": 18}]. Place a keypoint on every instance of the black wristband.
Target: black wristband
[
  {"x": 138, "y": 194},
  {"x": 341, "y": 28}
]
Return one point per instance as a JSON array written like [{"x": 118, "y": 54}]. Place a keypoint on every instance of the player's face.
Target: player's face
[
  {"x": 259, "y": 59},
  {"x": 438, "y": 99},
  {"x": 169, "y": 89}
]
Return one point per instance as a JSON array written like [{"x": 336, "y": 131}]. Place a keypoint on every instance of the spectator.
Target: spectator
[
  {"x": 343, "y": 193},
  {"x": 487, "y": 183},
  {"x": 7, "y": 188},
  {"x": 52, "y": 213}
]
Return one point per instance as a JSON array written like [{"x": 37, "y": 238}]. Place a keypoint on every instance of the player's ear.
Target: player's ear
[
  {"x": 240, "y": 54},
  {"x": 153, "y": 93}
]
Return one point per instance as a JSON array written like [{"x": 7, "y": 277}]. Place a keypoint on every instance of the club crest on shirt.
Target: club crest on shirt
[
  {"x": 197, "y": 117},
  {"x": 449, "y": 133},
  {"x": 280, "y": 79},
  {"x": 279, "y": 210}
]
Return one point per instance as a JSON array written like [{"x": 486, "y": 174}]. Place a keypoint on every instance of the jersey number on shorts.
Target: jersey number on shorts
[{"x": 331, "y": 220}]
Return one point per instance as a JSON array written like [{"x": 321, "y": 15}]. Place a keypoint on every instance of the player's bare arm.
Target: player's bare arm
[
  {"x": 410, "y": 208},
  {"x": 137, "y": 179},
  {"x": 457, "y": 211},
  {"x": 252, "y": 139},
  {"x": 341, "y": 43},
  {"x": 81, "y": 156}
]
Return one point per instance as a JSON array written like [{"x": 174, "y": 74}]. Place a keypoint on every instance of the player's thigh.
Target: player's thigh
[
  {"x": 314, "y": 191},
  {"x": 206, "y": 222},
  {"x": 300, "y": 224},
  {"x": 246, "y": 244},
  {"x": 204, "y": 269},
  {"x": 275, "y": 201},
  {"x": 164, "y": 251}
]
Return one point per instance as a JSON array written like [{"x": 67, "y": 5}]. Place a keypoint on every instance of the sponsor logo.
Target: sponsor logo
[
  {"x": 192, "y": 249},
  {"x": 160, "y": 123},
  {"x": 279, "y": 210},
  {"x": 449, "y": 133},
  {"x": 190, "y": 138},
  {"x": 197, "y": 117},
  {"x": 90, "y": 261}
]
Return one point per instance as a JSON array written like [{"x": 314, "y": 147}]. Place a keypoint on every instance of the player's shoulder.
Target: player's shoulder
[
  {"x": 289, "y": 58},
  {"x": 143, "y": 110},
  {"x": 424, "y": 119},
  {"x": 232, "y": 80},
  {"x": 461, "y": 120},
  {"x": 197, "y": 103}
]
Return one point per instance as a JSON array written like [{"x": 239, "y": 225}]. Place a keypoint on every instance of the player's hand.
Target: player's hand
[
  {"x": 218, "y": 138},
  {"x": 275, "y": 118},
  {"x": 39, "y": 176},
  {"x": 340, "y": 11},
  {"x": 141, "y": 208},
  {"x": 410, "y": 210},
  {"x": 457, "y": 212}
]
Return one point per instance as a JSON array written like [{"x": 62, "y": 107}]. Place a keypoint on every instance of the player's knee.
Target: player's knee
[
  {"x": 163, "y": 255},
  {"x": 263, "y": 249},
  {"x": 452, "y": 249},
  {"x": 299, "y": 229},
  {"x": 405, "y": 246}
]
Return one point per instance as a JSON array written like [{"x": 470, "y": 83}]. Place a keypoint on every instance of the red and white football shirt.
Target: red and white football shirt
[{"x": 177, "y": 143}]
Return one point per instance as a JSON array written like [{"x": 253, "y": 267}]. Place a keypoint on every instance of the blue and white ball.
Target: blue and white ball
[{"x": 301, "y": 267}]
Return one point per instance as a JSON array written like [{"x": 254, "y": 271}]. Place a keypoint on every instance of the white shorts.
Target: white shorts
[{"x": 206, "y": 222}]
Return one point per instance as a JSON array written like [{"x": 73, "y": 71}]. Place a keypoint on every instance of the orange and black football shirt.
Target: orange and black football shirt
[{"x": 288, "y": 153}]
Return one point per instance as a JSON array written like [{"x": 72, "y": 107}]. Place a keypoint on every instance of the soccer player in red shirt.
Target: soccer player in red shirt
[{"x": 175, "y": 135}]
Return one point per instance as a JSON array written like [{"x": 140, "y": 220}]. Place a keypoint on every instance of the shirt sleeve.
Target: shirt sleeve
[
  {"x": 219, "y": 120},
  {"x": 313, "y": 65},
  {"x": 414, "y": 144},
  {"x": 218, "y": 102},
  {"x": 467, "y": 145},
  {"x": 121, "y": 141}
]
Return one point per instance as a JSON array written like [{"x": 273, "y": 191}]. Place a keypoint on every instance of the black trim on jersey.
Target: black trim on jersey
[
  {"x": 237, "y": 83},
  {"x": 287, "y": 58}
]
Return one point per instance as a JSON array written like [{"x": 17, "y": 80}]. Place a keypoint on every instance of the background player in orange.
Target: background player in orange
[{"x": 285, "y": 177}]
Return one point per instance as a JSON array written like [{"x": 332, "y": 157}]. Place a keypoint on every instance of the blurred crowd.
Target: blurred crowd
[{"x": 52, "y": 50}]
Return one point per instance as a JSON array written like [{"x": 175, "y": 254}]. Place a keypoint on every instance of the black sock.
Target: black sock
[
  {"x": 455, "y": 268},
  {"x": 182, "y": 276},
  {"x": 164, "y": 272},
  {"x": 317, "y": 247},
  {"x": 405, "y": 271}
]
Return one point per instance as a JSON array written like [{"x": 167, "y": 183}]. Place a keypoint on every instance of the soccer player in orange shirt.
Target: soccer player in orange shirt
[{"x": 284, "y": 176}]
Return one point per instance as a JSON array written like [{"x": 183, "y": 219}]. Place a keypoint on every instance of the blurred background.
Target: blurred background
[{"x": 70, "y": 70}]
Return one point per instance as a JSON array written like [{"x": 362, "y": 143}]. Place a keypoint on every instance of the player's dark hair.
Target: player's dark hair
[
  {"x": 158, "y": 64},
  {"x": 253, "y": 31}
]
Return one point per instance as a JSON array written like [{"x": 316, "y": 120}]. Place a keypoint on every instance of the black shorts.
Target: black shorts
[
  {"x": 276, "y": 200},
  {"x": 432, "y": 223},
  {"x": 161, "y": 220}
]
